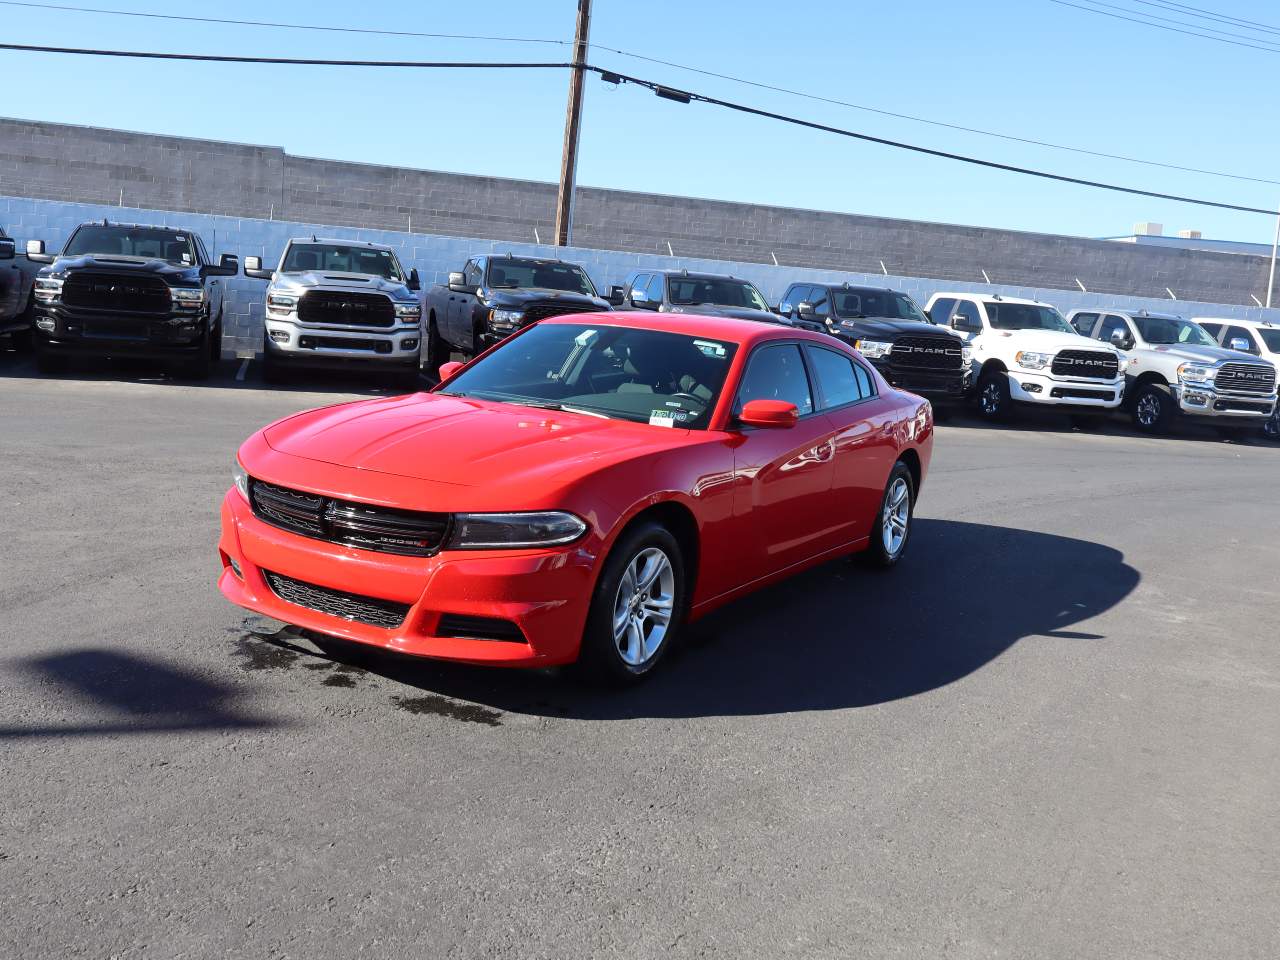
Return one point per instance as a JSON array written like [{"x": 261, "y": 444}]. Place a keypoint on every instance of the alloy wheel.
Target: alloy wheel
[
  {"x": 991, "y": 398},
  {"x": 1148, "y": 409},
  {"x": 644, "y": 606},
  {"x": 897, "y": 514},
  {"x": 1271, "y": 426}
]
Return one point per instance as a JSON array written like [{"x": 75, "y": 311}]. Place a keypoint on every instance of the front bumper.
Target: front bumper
[
  {"x": 1047, "y": 390},
  {"x": 1205, "y": 400},
  {"x": 545, "y": 593},
  {"x": 102, "y": 333},
  {"x": 293, "y": 342},
  {"x": 941, "y": 386}
]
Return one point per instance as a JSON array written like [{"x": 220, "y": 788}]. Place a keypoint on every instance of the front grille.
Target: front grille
[
  {"x": 337, "y": 603},
  {"x": 344, "y": 309},
  {"x": 1246, "y": 378},
  {"x": 1074, "y": 393},
  {"x": 128, "y": 293},
  {"x": 408, "y": 533},
  {"x": 1086, "y": 364},
  {"x": 534, "y": 312},
  {"x": 478, "y": 628},
  {"x": 926, "y": 353}
]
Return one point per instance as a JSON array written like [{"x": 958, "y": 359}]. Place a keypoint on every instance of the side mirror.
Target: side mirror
[
  {"x": 639, "y": 298},
  {"x": 965, "y": 325},
  {"x": 228, "y": 266},
  {"x": 769, "y": 413},
  {"x": 36, "y": 254},
  {"x": 458, "y": 283},
  {"x": 616, "y": 295},
  {"x": 447, "y": 370},
  {"x": 253, "y": 268},
  {"x": 1240, "y": 343},
  {"x": 804, "y": 310},
  {"x": 8, "y": 248},
  {"x": 415, "y": 282},
  {"x": 1119, "y": 338},
  {"x": 784, "y": 309}
]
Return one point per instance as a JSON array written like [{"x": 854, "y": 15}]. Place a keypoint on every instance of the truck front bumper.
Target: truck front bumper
[
  {"x": 290, "y": 342},
  {"x": 1205, "y": 400},
  {"x": 1047, "y": 390},
  {"x": 102, "y": 333}
]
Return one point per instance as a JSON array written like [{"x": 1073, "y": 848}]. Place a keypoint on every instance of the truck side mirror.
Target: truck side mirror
[
  {"x": 228, "y": 266},
  {"x": 804, "y": 310},
  {"x": 639, "y": 298},
  {"x": 1239, "y": 343},
  {"x": 784, "y": 309},
  {"x": 616, "y": 295},
  {"x": 1120, "y": 339},
  {"x": 458, "y": 283},
  {"x": 36, "y": 254},
  {"x": 415, "y": 283},
  {"x": 253, "y": 268},
  {"x": 7, "y": 248}
]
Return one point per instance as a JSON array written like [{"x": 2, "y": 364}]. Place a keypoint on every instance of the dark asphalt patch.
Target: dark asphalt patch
[{"x": 444, "y": 707}]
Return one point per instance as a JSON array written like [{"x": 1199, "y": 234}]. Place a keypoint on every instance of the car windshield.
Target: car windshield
[
  {"x": 647, "y": 376},
  {"x": 1162, "y": 330},
  {"x": 721, "y": 291},
  {"x": 122, "y": 241},
  {"x": 853, "y": 303},
  {"x": 341, "y": 258},
  {"x": 512, "y": 274},
  {"x": 1271, "y": 338},
  {"x": 1025, "y": 316}
]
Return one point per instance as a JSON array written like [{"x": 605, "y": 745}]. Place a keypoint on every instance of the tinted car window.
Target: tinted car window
[
  {"x": 1214, "y": 329},
  {"x": 840, "y": 380},
  {"x": 721, "y": 291},
  {"x": 123, "y": 241},
  {"x": 941, "y": 312},
  {"x": 471, "y": 274},
  {"x": 1271, "y": 338},
  {"x": 969, "y": 310},
  {"x": 1112, "y": 322},
  {"x": 1084, "y": 324},
  {"x": 792, "y": 297},
  {"x": 821, "y": 302},
  {"x": 776, "y": 372},
  {"x": 1025, "y": 316},
  {"x": 515, "y": 274},
  {"x": 654, "y": 288}
]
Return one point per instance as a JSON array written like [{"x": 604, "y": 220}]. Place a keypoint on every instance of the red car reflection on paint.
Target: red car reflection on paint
[{"x": 578, "y": 492}]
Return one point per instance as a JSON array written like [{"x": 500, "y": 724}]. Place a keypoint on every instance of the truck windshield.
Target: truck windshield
[
  {"x": 1164, "y": 330},
  {"x": 1271, "y": 338},
  {"x": 647, "y": 376},
  {"x": 853, "y": 303},
  {"x": 341, "y": 258},
  {"x": 512, "y": 274},
  {"x": 1025, "y": 316},
  {"x": 721, "y": 291},
  {"x": 121, "y": 241}
]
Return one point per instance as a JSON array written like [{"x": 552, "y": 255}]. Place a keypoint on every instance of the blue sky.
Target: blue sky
[{"x": 1028, "y": 68}]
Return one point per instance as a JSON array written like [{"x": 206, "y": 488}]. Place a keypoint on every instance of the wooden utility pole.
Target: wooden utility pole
[{"x": 572, "y": 128}]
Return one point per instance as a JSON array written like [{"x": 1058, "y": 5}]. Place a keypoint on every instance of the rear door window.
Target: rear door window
[
  {"x": 940, "y": 312},
  {"x": 1084, "y": 324},
  {"x": 840, "y": 380}
]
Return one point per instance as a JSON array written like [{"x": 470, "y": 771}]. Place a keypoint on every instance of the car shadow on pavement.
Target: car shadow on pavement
[
  {"x": 131, "y": 695},
  {"x": 839, "y": 636}
]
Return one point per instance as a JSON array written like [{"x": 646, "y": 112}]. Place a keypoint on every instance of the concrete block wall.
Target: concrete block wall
[
  {"x": 435, "y": 255},
  {"x": 93, "y": 165}
]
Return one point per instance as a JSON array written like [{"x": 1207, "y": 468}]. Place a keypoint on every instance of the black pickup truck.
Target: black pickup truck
[
  {"x": 120, "y": 289},
  {"x": 17, "y": 304},
  {"x": 887, "y": 328},
  {"x": 706, "y": 294},
  {"x": 492, "y": 297}
]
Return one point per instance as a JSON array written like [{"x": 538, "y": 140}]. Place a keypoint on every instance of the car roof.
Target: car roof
[
  {"x": 844, "y": 285},
  {"x": 745, "y": 332},
  {"x": 1127, "y": 312},
  {"x": 121, "y": 223},
  {"x": 345, "y": 243},
  {"x": 1233, "y": 321},
  {"x": 998, "y": 297}
]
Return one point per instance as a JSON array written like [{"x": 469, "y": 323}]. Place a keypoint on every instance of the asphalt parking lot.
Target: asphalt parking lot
[{"x": 1053, "y": 731}]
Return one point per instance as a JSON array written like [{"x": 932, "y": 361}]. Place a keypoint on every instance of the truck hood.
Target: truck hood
[
  {"x": 718, "y": 310},
  {"x": 102, "y": 261},
  {"x": 890, "y": 328},
  {"x": 1198, "y": 354},
  {"x": 464, "y": 441},
  {"x": 336, "y": 280},
  {"x": 1048, "y": 341},
  {"x": 503, "y": 297}
]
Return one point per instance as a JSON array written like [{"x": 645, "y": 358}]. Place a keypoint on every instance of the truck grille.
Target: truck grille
[
  {"x": 128, "y": 293},
  {"x": 926, "y": 353},
  {"x": 1246, "y": 378},
  {"x": 344, "y": 309},
  {"x": 337, "y": 603},
  {"x": 534, "y": 312},
  {"x": 408, "y": 533},
  {"x": 1088, "y": 364}
]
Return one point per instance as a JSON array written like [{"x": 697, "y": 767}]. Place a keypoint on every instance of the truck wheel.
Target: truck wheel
[
  {"x": 22, "y": 339},
  {"x": 1152, "y": 408},
  {"x": 434, "y": 352},
  {"x": 994, "y": 402},
  {"x": 1271, "y": 426},
  {"x": 892, "y": 527},
  {"x": 215, "y": 340}
]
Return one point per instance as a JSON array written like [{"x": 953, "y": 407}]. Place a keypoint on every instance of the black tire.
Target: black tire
[
  {"x": 994, "y": 402},
  {"x": 434, "y": 351},
  {"x": 23, "y": 340},
  {"x": 51, "y": 363},
  {"x": 1271, "y": 426},
  {"x": 602, "y": 656},
  {"x": 215, "y": 341},
  {"x": 1235, "y": 433},
  {"x": 883, "y": 552},
  {"x": 1152, "y": 408},
  {"x": 273, "y": 371}
]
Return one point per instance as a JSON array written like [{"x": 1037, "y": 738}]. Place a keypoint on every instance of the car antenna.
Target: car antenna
[
  {"x": 104, "y": 222},
  {"x": 995, "y": 296},
  {"x": 313, "y": 238}
]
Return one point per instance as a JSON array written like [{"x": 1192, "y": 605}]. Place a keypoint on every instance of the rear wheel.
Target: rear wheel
[
  {"x": 892, "y": 528},
  {"x": 994, "y": 402},
  {"x": 434, "y": 351},
  {"x": 638, "y": 606},
  {"x": 1152, "y": 408},
  {"x": 1271, "y": 426}
]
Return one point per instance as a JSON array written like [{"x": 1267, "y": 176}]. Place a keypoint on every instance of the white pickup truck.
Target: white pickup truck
[
  {"x": 1024, "y": 352},
  {"x": 1259, "y": 338},
  {"x": 1177, "y": 369}
]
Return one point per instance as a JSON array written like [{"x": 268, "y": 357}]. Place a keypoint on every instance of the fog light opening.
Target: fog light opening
[
  {"x": 1032, "y": 387},
  {"x": 280, "y": 336},
  {"x": 409, "y": 344}
]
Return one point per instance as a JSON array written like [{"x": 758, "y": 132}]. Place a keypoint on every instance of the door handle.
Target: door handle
[{"x": 825, "y": 452}]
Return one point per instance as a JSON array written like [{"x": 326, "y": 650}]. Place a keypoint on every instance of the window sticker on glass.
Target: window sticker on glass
[
  {"x": 662, "y": 418},
  {"x": 710, "y": 347},
  {"x": 180, "y": 238}
]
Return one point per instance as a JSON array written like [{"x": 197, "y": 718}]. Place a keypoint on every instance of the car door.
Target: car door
[
  {"x": 865, "y": 447},
  {"x": 783, "y": 475},
  {"x": 459, "y": 330}
]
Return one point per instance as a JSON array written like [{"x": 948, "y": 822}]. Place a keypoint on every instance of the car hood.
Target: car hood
[
  {"x": 1201, "y": 354},
  {"x": 1050, "y": 341},
  {"x": 502, "y": 296},
  {"x": 148, "y": 265},
  {"x": 337, "y": 280},
  {"x": 891, "y": 328},
  {"x": 464, "y": 441},
  {"x": 718, "y": 310}
]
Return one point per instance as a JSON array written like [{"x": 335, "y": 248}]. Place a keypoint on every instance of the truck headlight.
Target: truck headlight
[
  {"x": 873, "y": 349},
  {"x": 240, "y": 477},
  {"x": 506, "y": 318},
  {"x": 1032, "y": 360},
  {"x": 1195, "y": 373},
  {"x": 408, "y": 312},
  {"x": 510, "y": 531},
  {"x": 48, "y": 289},
  {"x": 966, "y": 354},
  {"x": 281, "y": 302},
  {"x": 186, "y": 296}
]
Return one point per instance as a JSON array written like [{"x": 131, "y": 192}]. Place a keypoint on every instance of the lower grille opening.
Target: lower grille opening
[
  {"x": 1243, "y": 406},
  {"x": 1071, "y": 393},
  {"x": 337, "y": 603},
  {"x": 479, "y": 628}
]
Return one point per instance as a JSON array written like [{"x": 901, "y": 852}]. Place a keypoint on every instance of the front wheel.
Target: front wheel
[
  {"x": 892, "y": 528},
  {"x": 434, "y": 351},
  {"x": 994, "y": 401},
  {"x": 1152, "y": 408},
  {"x": 1271, "y": 426},
  {"x": 638, "y": 606}
]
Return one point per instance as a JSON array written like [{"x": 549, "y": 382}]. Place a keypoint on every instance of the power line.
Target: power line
[
  {"x": 1209, "y": 15},
  {"x": 667, "y": 63},
  {"x": 1148, "y": 23},
  {"x": 1180, "y": 23}
]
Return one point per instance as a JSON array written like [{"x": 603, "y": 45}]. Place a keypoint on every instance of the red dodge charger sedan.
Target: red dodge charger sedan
[{"x": 578, "y": 492}]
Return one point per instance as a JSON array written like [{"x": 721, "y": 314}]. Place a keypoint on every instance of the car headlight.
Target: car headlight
[
  {"x": 506, "y": 318},
  {"x": 408, "y": 311},
  {"x": 281, "y": 301},
  {"x": 1033, "y": 361},
  {"x": 186, "y": 296},
  {"x": 240, "y": 477},
  {"x": 509, "y": 531},
  {"x": 1195, "y": 373},
  {"x": 873, "y": 349},
  {"x": 48, "y": 289}
]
